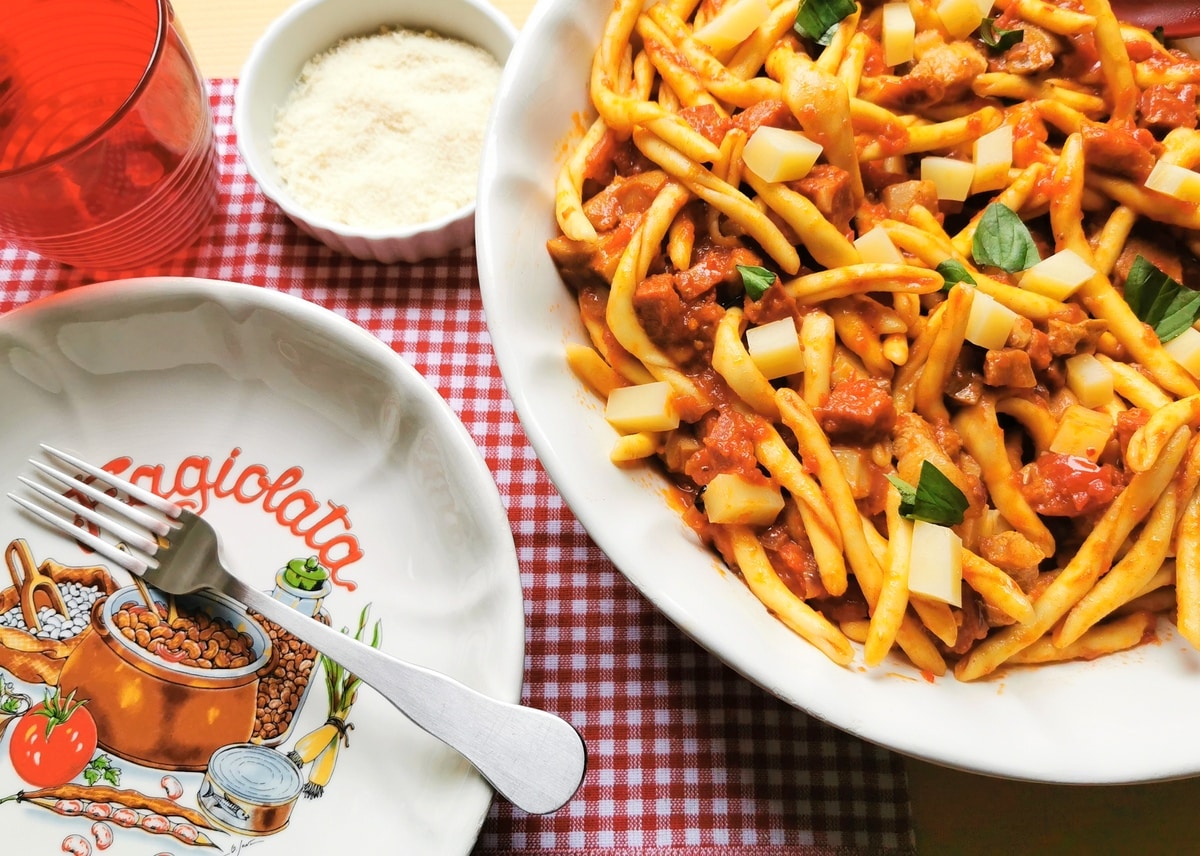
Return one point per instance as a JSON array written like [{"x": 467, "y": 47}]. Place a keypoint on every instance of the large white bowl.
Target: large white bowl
[
  {"x": 313, "y": 26},
  {"x": 1125, "y": 718}
]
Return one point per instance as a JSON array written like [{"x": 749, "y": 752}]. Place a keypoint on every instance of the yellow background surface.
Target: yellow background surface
[{"x": 954, "y": 812}]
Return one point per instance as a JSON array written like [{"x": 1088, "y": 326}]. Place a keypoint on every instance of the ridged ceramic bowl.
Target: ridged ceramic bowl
[{"x": 313, "y": 26}]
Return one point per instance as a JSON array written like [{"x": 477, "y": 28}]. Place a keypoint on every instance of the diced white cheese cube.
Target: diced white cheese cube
[
  {"x": 935, "y": 562},
  {"x": 1185, "y": 350},
  {"x": 857, "y": 467},
  {"x": 961, "y": 17},
  {"x": 1058, "y": 276},
  {"x": 992, "y": 153},
  {"x": 643, "y": 407},
  {"x": 899, "y": 32},
  {"x": 776, "y": 154},
  {"x": 990, "y": 322},
  {"x": 951, "y": 177},
  {"x": 729, "y": 498},
  {"x": 730, "y": 27},
  {"x": 1174, "y": 180},
  {"x": 1090, "y": 380},
  {"x": 875, "y": 247},
  {"x": 775, "y": 348},
  {"x": 1082, "y": 432},
  {"x": 992, "y": 522}
]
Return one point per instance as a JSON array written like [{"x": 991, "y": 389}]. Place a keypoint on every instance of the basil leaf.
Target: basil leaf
[
  {"x": 998, "y": 38},
  {"x": 1002, "y": 240},
  {"x": 818, "y": 19},
  {"x": 756, "y": 280},
  {"x": 953, "y": 272},
  {"x": 935, "y": 499},
  {"x": 1168, "y": 307},
  {"x": 908, "y": 493}
]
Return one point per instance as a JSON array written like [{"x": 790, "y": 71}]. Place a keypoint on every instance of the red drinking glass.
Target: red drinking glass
[{"x": 107, "y": 159}]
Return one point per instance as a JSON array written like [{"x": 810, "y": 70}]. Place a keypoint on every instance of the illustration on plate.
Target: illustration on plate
[{"x": 129, "y": 712}]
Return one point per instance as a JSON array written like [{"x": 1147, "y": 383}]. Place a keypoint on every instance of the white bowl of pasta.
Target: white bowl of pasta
[{"x": 1017, "y": 352}]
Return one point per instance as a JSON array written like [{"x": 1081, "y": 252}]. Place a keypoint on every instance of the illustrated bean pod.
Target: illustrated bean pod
[{"x": 126, "y": 808}]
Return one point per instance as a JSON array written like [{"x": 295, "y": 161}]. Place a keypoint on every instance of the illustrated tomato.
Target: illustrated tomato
[{"x": 53, "y": 742}]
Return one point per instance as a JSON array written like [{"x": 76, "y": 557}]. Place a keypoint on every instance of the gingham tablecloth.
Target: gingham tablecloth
[{"x": 684, "y": 754}]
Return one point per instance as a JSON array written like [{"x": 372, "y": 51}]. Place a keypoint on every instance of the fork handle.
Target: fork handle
[{"x": 531, "y": 757}]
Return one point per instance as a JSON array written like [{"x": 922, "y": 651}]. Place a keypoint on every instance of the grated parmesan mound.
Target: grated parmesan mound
[{"x": 387, "y": 130}]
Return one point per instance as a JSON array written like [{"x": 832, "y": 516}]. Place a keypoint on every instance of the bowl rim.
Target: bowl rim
[{"x": 261, "y": 53}]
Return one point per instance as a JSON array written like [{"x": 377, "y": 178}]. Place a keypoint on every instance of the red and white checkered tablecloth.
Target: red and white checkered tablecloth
[{"x": 684, "y": 754}]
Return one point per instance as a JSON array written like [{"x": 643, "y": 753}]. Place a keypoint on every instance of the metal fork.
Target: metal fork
[{"x": 532, "y": 758}]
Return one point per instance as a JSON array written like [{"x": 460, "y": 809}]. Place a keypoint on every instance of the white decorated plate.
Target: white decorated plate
[
  {"x": 298, "y": 435},
  {"x": 1125, "y": 718}
]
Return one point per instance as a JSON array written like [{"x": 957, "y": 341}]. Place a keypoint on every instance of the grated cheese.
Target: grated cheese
[{"x": 387, "y": 130}]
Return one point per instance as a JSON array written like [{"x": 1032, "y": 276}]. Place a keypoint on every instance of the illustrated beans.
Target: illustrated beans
[
  {"x": 97, "y": 810},
  {"x": 76, "y": 845},
  {"x": 173, "y": 787},
  {"x": 125, "y": 817},
  {"x": 280, "y": 691},
  {"x": 155, "y": 823},
  {"x": 103, "y": 834},
  {"x": 191, "y": 638}
]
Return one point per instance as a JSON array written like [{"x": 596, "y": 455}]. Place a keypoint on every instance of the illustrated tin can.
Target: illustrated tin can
[{"x": 249, "y": 789}]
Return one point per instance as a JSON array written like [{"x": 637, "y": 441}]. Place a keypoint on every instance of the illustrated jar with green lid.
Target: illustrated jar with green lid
[{"x": 302, "y": 584}]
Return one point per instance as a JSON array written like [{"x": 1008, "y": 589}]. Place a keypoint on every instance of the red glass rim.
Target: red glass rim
[{"x": 156, "y": 52}]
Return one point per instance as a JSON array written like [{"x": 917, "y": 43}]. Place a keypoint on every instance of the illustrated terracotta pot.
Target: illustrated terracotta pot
[{"x": 160, "y": 713}]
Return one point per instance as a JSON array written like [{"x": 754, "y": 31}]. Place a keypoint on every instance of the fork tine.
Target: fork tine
[
  {"x": 122, "y": 533},
  {"x": 139, "y": 493},
  {"x": 158, "y": 527},
  {"x": 127, "y": 561}
]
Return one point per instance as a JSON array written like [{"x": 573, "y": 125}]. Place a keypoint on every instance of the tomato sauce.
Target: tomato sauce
[
  {"x": 728, "y": 440},
  {"x": 1139, "y": 50},
  {"x": 1058, "y": 485},
  {"x": 793, "y": 562},
  {"x": 1029, "y": 134},
  {"x": 857, "y": 411},
  {"x": 598, "y": 166},
  {"x": 1084, "y": 61},
  {"x": 705, "y": 119}
]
